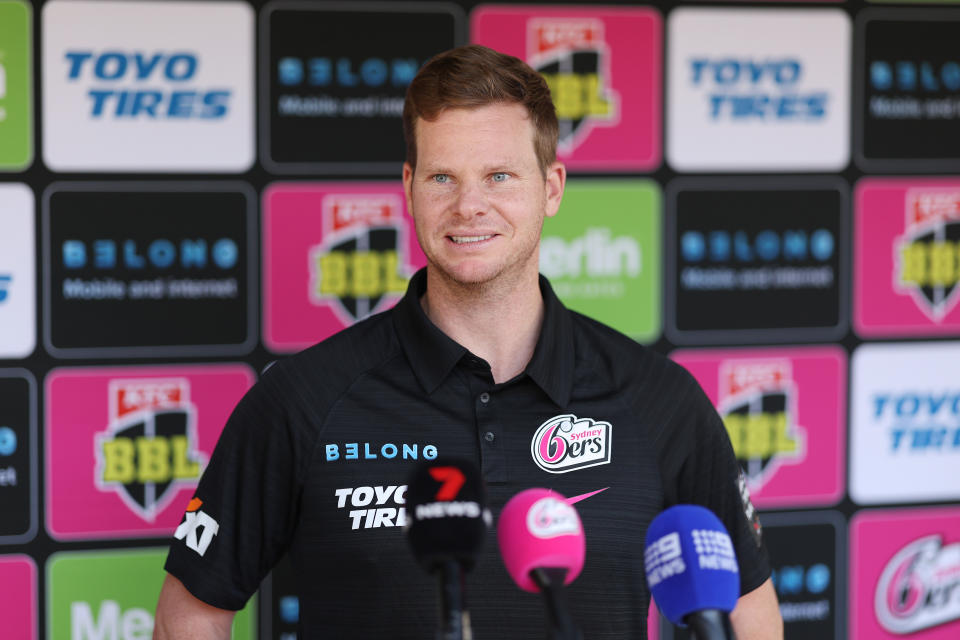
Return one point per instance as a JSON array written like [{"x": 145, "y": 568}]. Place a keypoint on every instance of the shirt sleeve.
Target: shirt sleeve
[
  {"x": 246, "y": 506},
  {"x": 710, "y": 476}
]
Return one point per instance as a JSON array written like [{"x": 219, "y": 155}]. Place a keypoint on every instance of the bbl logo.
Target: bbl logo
[
  {"x": 150, "y": 445},
  {"x": 758, "y": 405},
  {"x": 362, "y": 258},
  {"x": 927, "y": 255},
  {"x": 573, "y": 58}
]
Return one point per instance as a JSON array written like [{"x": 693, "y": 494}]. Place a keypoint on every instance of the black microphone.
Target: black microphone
[{"x": 447, "y": 521}]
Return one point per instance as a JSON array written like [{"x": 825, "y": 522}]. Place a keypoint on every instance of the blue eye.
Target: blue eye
[
  {"x": 500, "y": 176},
  {"x": 441, "y": 178}
]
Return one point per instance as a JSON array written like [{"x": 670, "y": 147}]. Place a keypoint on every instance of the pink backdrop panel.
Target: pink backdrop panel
[
  {"x": 631, "y": 55},
  {"x": 876, "y": 539},
  {"x": 80, "y": 409},
  {"x": 883, "y": 208},
  {"x": 818, "y": 379},
  {"x": 297, "y": 222},
  {"x": 18, "y": 597}
]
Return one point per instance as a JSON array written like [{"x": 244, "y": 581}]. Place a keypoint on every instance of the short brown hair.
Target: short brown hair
[{"x": 475, "y": 76}]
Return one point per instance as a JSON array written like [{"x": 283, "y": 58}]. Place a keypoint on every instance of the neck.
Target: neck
[{"x": 500, "y": 323}]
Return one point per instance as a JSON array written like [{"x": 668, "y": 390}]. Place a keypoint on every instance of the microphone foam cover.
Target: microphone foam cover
[
  {"x": 447, "y": 514},
  {"x": 690, "y": 563},
  {"x": 538, "y": 529}
]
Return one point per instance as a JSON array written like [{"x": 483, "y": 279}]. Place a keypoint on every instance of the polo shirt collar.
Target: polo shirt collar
[{"x": 433, "y": 355}]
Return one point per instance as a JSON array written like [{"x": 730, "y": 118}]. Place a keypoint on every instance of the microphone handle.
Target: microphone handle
[
  {"x": 454, "y": 618},
  {"x": 550, "y": 581},
  {"x": 710, "y": 624}
]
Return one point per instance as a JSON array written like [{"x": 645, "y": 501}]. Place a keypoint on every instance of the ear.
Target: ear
[
  {"x": 555, "y": 183},
  {"x": 408, "y": 186}
]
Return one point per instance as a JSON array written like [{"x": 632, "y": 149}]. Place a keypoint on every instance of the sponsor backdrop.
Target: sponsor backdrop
[{"x": 768, "y": 194}]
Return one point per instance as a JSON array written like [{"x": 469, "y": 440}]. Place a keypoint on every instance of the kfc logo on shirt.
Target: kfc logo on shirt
[{"x": 567, "y": 443}]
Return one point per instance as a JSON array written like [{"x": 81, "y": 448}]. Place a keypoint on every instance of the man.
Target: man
[{"x": 474, "y": 362}]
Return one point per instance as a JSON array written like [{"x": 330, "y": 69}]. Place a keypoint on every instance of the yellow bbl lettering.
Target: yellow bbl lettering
[
  {"x": 359, "y": 274},
  {"x": 930, "y": 264},
  {"x": 759, "y": 435},
  {"x": 577, "y": 95},
  {"x": 146, "y": 459}
]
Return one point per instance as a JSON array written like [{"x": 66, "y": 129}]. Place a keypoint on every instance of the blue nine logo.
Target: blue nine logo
[{"x": 115, "y": 71}]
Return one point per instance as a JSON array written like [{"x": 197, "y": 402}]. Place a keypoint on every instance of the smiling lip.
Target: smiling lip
[{"x": 471, "y": 239}]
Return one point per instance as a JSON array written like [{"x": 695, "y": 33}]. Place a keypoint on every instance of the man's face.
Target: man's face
[{"x": 478, "y": 196}]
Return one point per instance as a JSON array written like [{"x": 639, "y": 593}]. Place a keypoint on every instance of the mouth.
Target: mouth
[{"x": 469, "y": 239}]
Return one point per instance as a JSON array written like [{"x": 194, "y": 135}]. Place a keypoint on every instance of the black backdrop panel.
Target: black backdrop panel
[
  {"x": 755, "y": 263},
  {"x": 335, "y": 76},
  {"x": 148, "y": 271}
]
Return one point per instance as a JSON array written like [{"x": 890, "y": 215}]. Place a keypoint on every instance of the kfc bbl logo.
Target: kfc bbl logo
[
  {"x": 574, "y": 59},
  {"x": 927, "y": 255},
  {"x": 149, "y": 447},
  {"x": 359, "y": 263},
  {"x": 758, "y": 404}
]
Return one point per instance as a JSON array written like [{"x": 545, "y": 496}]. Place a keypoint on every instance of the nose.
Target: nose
[{"x": 471, "y": 199}]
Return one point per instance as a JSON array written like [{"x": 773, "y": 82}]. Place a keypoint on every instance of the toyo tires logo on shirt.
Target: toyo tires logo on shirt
[{"x": 567, "y": 443}]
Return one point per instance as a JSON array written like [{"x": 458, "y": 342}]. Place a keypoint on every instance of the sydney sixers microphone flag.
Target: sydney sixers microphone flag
[
  {"x": 543, "y": 547},
  {"x": 692, "y": 570}
]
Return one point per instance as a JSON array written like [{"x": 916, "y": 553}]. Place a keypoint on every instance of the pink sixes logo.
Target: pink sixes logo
[
  {"x": 919, "y": 586},
  {"x": 551, "y": 517},
  {"x": 567, "y": 443}
]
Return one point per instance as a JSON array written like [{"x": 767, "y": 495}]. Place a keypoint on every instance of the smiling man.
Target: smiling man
[{"x": 479, "y": 360}]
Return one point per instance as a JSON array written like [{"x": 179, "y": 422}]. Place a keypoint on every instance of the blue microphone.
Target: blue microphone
[{"x": 692, "y": 570}]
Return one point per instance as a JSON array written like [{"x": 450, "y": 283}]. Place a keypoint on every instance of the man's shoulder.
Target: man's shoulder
[
  {"x": 339, "y": 359},
  {"x": 600, "y": 345}
]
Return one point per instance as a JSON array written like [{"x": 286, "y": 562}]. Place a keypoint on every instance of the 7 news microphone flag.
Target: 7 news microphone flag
[{"x": 447, "y": 519}]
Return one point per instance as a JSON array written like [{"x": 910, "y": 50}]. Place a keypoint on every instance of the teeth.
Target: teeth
[{"x": 465, "y": 239}]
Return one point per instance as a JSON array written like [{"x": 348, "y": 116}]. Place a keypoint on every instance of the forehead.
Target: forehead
[{"x": 499, "y": 129}]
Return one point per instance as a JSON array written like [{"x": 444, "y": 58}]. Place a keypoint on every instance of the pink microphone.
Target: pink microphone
[{"x": 542, "y": 545}]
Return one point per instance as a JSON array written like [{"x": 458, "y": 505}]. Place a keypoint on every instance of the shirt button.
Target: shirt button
[
  {"x": 489, "y": 436},
  {"x": 485, "y": 398}
]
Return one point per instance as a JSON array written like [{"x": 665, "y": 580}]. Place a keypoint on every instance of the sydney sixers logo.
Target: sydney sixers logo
[
  {"x": 566, "y": 443},
  {"x": 927, "y": 255},
  {"x": 920, "y": 587}
]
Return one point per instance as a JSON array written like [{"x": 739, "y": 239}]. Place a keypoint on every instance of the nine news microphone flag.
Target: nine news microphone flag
[
  {"x": 542, "y": 544},
  {"x": 447, "y": 521},
  {"x": 692, "y": 570}
]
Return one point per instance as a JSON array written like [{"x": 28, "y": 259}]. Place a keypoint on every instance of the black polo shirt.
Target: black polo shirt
[{"x": 315, "y": 457}]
